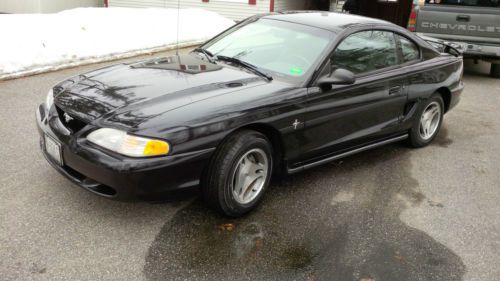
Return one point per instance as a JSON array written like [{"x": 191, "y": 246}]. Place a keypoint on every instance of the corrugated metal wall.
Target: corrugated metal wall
[
  {"x": 232, "y": 10},
  {"x": 281, "y": 5},
  {"x": 44, "y": 6},
  {"x": 337, "y": 6}
]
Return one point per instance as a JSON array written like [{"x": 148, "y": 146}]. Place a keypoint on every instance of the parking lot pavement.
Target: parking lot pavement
[{"x": 393, "y": 213}]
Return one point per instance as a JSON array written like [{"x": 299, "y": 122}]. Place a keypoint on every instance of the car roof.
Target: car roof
[{"x": 326, "y": 20}]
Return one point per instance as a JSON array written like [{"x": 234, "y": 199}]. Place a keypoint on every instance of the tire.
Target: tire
[
  {"x": 423, "y": 131},
  {"x": 244, "y": 160},
  {"x": 495, "y": 70}
]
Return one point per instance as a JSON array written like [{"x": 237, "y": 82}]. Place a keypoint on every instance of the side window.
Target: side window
[
  {"x": 409, "y": 49},
  {"x": 366, "y": 51}
]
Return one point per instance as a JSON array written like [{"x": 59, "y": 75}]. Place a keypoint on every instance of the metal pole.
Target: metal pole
[{"x": 178, "y": 16}]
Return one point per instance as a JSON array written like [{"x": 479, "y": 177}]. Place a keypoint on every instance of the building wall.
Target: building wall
[
  {"x": 233, "y": 9},
  {"x": 19, "y": 6},
  {"x": 53, "y": 6},
  {"x": 281, "y": 5},
  {"x": 337, "y": 5},
  {"x": 44, "y": 6}
]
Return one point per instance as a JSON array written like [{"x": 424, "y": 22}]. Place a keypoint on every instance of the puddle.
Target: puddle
[
  {"x": 442, "y": 138},
  {"x": 336, "y": 222}
]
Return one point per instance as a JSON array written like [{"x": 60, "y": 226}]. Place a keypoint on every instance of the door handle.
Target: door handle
[
  {"x": 463, "y": 18},
  {"x": 395, "y": 90}
]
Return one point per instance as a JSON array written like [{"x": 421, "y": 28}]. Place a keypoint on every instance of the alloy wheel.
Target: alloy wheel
[
  {"x": 250, "y": 175},
  {"x": 429, "y": 122}
]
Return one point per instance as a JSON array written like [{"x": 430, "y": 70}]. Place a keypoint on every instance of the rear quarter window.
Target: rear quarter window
[{"x": 410, "y": 50}]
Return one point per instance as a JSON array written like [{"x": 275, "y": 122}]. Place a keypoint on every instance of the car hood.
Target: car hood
[{"x": 172, "y": 81}]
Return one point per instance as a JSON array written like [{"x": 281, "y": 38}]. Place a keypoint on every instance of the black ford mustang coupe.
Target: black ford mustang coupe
[{"x": 274, "y": 94}]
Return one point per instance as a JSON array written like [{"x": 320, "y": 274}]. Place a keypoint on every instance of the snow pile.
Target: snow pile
[{"x": 33, "y": 43}]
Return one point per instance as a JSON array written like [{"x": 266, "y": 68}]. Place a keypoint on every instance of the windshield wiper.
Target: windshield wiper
[
  {"x": 211, "y": 58},
  {"x": 246, "y": 65}
]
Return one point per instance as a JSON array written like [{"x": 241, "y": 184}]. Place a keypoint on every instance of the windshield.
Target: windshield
[{"x": 284, "y": 49}]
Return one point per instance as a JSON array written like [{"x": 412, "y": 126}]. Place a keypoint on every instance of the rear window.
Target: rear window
[{"x": 474, "y": 3}]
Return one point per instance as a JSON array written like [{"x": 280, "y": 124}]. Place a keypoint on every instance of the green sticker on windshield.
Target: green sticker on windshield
[{"x": 296, "y": 70}]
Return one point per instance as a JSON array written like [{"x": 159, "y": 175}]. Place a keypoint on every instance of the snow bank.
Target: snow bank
[{"x": 33, "y": 43}]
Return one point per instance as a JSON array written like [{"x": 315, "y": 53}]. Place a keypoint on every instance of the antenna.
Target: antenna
[{"x": 178, "y": 16}]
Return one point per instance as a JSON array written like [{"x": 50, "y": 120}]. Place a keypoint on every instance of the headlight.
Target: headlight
[
  {"x": 123, "y": 143},
  {"x": 50, "y": 99}
]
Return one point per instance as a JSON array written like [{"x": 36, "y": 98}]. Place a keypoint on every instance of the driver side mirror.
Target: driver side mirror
[{"x": 339, "y": 76}]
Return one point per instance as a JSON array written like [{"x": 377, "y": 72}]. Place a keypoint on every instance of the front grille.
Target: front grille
[
  {"x": 90, "y": 184},
  {"x": 71, "y": 123}
]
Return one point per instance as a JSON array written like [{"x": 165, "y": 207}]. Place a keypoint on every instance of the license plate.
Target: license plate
[{"x": 53, "y": 149}]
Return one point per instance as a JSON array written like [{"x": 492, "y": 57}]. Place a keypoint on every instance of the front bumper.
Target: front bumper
[{"x": 117, "y": 177}]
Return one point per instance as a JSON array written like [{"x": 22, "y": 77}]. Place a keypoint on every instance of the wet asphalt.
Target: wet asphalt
[{"x": 393, "y": 213}]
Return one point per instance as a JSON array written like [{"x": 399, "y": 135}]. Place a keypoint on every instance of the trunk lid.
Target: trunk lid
[{"x": 469, "y": 20}]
